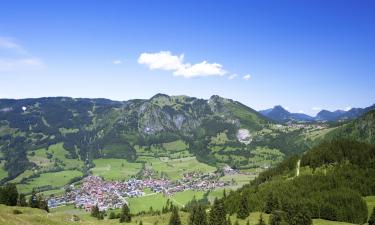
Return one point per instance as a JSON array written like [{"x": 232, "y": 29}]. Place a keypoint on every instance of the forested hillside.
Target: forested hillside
[{"x": 334, "y": 176}]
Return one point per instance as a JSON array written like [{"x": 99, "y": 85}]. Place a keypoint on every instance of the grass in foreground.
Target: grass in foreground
[{"x": 31, "y": 216}]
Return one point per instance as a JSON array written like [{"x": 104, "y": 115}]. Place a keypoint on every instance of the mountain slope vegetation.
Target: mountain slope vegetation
[{"x": 61, "y": 133}]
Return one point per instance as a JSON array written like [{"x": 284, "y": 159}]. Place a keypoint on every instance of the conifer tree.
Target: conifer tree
[
  {"x": 140, "y": 222},
  {"x": 22, "y": 200},
  {"x": 371, "y": 221},
  {"x": 95, "y": 211},
  {"x": 243, "y": 210},
  {"x": 275, "y": 218},
  {"x": 236, "y": 223},
  {"x": 261, "y": 220},
  {"x": 125, "y": 214},
  {"x": 229, "y": 221},
  {"x": 272, "y": 203},
  {"x": 175, "y": 217},
  {"x": 9, "y": 194},
  {"x": 33, "y": 200},
  {"x": 197, "y": 215},
  {"x": 217, "y": 214}
]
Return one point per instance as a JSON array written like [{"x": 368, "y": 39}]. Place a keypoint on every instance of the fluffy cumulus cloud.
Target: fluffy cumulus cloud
[
  {"x": 316, "y": 108},
  {"x": 165, "y": 60},
  {"x": 16, "y": 58},
  {"x": 247, "y": 77}
]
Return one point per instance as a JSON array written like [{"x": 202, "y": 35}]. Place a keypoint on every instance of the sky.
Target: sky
[{"x": 303, "y": 55}]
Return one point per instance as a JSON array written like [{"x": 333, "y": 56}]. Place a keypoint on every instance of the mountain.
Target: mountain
[
  {"x": 281, "y": 115},
  {"x": 325, "y": 115},
  {"x": 100, "y": 128},
  {"x": 362, "y": 129}
]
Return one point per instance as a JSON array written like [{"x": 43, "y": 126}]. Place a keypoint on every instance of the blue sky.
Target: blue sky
[{"x": 304, "y": 55}]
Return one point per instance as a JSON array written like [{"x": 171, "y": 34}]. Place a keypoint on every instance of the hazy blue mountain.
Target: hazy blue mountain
[{"x": 281, "y": 115}]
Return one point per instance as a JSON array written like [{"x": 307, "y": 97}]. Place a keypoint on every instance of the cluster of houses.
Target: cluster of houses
[{"x": 95, "y": 190}]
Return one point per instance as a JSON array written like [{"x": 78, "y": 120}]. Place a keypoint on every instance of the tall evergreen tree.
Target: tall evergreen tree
[
  {"x": 243, "y": 210},
  {"x": 125, "y": 214},
  {"x": 261, "y": 220},
  {"x": 197, "y": 215},
  {"x": 42, "y": 203},
  {"x": 371, "y": 221},
  {"x": 272, "y": 203},
  {"x": 22, "y": 200},
  {"x": 175, "y": 217},
  {"x": 217, "y": 214},
  {"x": 95, "y": 211},
  {"x": 229, "y": 221},
  {"x": 9, "y": 194},
  {"x": 276, "y": 218},
  {"x": 33, "y": 200}
]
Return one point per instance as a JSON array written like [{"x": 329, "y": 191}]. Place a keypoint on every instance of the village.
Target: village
[{"x": 106, "y": 195}]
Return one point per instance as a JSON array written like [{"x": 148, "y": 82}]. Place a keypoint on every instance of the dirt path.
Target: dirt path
[{"x": 298, "y": 166}]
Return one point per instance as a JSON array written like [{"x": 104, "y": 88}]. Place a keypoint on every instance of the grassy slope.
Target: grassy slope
[
  {"x": 38, "y": 217},
  {"x": 57, "y": 179},
  {"x": 115, "y": 169}
]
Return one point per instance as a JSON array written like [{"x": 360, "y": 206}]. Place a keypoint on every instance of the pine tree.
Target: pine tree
[
  {"x": 95, "y": 211},
  {"x": 229, "y": 221},
  {"x": 236, "y": 223},
  {"x": 33, "y": 200},
  {"x": 217, "y": 214},
  {"x": 276, "y": 218},
  {"x": 243, "y": 210},
  {"x": 9, "y": 195},
  {"x": 112, "y": 215},
  {"x": 22, "y": 200},
  {"x": 125, "y": 214},
  {"x": 197, "y": 215},
  {"x": 42, "y": 203},
  {"x": 247, "y": 222},
  {"x": 140, "y": 222},
  {"x": 371, "y": 221},
  {"x": 175, "y": 217},
  {"x": 261, "y": 221}
]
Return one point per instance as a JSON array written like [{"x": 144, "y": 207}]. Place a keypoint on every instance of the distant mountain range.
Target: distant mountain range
[{"x": 281, "y": 115}]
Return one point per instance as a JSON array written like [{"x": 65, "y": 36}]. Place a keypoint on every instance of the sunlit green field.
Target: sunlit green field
[
  {"x": 115, "y": 169},
  {"x": 175, "y": 168},
  {"x": 56, "y": 180}
]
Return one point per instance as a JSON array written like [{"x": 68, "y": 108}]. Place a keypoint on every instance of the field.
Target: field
[
  {"x": 55, "y": 180},
  {"x": 115, "y": 169},
  {"x": 175, "y": 168},
  {"x": 54, "y": 155}
]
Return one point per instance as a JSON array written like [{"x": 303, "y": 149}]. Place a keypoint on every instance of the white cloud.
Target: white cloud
[
  {"x": 231, "y": 77},
  {"x": 20, "y": 64},
  {"x": 247, "y": 77},
  {"x": 7, "y": 43},
  {"x": 17, "y": 58},
  {"x": 117, "y": 62},
  {"x": 165, "y": 60},
  {"x": 316, "y": 108},
  {"x": 347, "y": 108},
  {"x": 200, "y": 69},
  {"x": 301, "y": 111}
]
